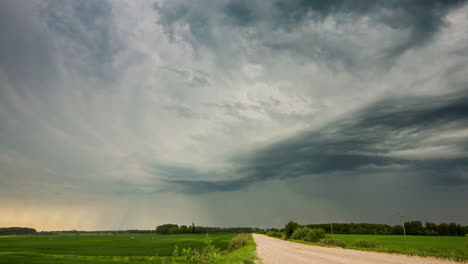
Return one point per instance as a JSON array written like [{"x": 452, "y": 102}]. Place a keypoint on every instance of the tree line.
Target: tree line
[
  {"x": 411, "y": 228},
  {"x": 17, "y": 231},
  {"x": 172, "y": 229}
]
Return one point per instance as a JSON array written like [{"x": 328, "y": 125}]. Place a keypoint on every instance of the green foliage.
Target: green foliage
[
  {"x": 274, "y": 234},
  {"x": 397, "y": 230},
  {"x": 243, "y": 255},
  {"x": 175, "y": 254},
  {"x": 290, "y": 228},
  {"x": 412, "y": 228},
  {"x": 314, "y": 235},
  {"x": 354, "y": 228},
  {"x": 332, "y": 242},
  {"x": 300, "y": 233},
  {"x": 167, "y": 229},
  {"x": 365, "y": 244},
  {"x": 207, "y": 255},
  {"x": 172, "y": 229},
  {"x": 241, "y": 250},
  {"x": 238, "y": 242},
  {"x": 431, "y": 229},
  {"x": 308, "y": 234},
  {"x": 16, "y": 231}
]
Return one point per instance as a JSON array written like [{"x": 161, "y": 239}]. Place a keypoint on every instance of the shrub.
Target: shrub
[
  {"x": 314, "y": 235},
  {"x": 175, "y": 254},
  {"x": 274, "y": 234},
  {"x": 332, "y": 242},
  {"x": 238, "y": 242},
  {"x": 308, "y": 234},
  {"x": 207, "y": 255},
  {"x": 300, "y": 233},
  {"x": 365, "y": 244}
]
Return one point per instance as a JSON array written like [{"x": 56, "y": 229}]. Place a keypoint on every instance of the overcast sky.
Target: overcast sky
[{"x": 130, "y": 114}]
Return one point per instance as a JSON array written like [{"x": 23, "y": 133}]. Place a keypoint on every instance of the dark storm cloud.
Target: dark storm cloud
[
  {"x": 422, "y": 19},
  {"x": 87, "y": 30},
  {"x": 370, "y": 140},
  {"x": 24, "y": 49}
]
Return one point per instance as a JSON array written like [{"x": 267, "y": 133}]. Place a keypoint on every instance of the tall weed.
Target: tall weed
[{"x": 238, "y": 242}]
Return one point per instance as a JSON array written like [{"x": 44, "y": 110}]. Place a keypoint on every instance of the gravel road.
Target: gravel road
[{"x": 276, "y": 251}]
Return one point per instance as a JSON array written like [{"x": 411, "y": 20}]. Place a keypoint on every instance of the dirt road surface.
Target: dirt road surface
[{"x": 276, "y": 251}]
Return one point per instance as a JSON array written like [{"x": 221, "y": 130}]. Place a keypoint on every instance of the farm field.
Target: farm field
[
  {"x": 438, "y": 246},
  {"x": 101, "y": 249}
]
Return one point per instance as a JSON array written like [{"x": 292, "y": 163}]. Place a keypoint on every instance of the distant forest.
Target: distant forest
[
  {"x": 170, "y": 229},
  {"x": 16, "y": 231},
  {"x": 411, "y": 228}
]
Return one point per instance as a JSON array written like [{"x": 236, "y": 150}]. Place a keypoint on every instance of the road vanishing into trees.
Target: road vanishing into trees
[{"x": 277, "y": 251}]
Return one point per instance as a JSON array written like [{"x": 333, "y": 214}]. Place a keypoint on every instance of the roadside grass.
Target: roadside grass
[
  {"x": 445, "y": 247},
  {"x": 244, "y": 255}
]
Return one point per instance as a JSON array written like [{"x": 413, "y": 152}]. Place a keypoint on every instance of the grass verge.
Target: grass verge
[{"x": 243, "y": 255}]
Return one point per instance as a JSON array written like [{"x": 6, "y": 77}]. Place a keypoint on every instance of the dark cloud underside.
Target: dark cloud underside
[
  {"x": 422, "y": 19},
  {"x": 368, "y": 140}
]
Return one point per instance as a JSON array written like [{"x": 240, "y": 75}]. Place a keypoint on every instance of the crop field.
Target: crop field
[
  {"x": 452, "y": 247},
  {"x": 100, "y": 249}
]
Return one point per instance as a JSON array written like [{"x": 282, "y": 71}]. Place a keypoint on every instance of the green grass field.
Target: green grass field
[
  {"x": 451, "y": 247},
  {"x": 103, "y": 249}
]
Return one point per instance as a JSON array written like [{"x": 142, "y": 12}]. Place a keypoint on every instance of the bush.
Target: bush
[
  {"x": 207, "y": 255},
  {"x": 365, "y": 244},
  {"x": 314, "y": 235},
  {"x": 238, "y": 242},
  {"x": 332, "y": 242},
  {"x": 300, "y": 233},
  {"x": 274, "y": 234},
  {"x": 308, "y": 234}
]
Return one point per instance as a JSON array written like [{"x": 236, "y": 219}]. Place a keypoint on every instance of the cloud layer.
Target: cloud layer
[{"x": 112, "y": 114}]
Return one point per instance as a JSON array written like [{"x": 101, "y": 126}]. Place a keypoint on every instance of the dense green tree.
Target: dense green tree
[
  {"x": 443, "y": 229},
  {"x": 397, "y": 230},
  {"x": 289, "y": 228},
  {"x": 166, "y": 228},
  {"x": 183, "y": 229},
  {"x": 414, "y": 228}
]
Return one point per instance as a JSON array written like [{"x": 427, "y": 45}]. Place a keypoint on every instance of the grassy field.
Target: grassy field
[
  {"x": 104, "y": 249},
  {"x": 436, "y": 246}
]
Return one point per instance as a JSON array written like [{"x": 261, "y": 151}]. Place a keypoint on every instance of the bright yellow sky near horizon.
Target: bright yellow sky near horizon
[{"x": 49, "y": 217}]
